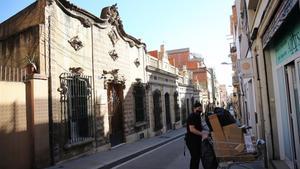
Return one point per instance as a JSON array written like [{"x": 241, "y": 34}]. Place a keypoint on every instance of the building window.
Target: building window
[
  {"x": 139, "y": 98},
  {"x": 188, "y": 106},
  {"x": 157, "y": 110},
  {"x": 183, "y": 112},
  {"x": 176, "y": 107},
  {"x": 76, "y": 109}
]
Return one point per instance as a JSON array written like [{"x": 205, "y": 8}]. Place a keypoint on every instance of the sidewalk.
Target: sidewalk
[
  {"x": 115, "y": 156},
  {"x": 110, "y": 158}
]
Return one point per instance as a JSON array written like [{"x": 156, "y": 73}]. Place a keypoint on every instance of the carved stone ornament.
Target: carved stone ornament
[
  {"x": 113, "y": 77},
  {"x": 113, "y": 37},
  {"x": 280, "y": 16},
  {"x": 63, "y": 89},
  {"x": 76, "y": 70},
  {"x": 113, "y": 54},
  {"x": 86, "y": 23},
  {"x": 76, "y": 43},
  {"x": 137, "y": 62},
  {"x": 131, "y": 44},
  {"x": 112, "y": 15},
  {"x": 50, "y": 2}
]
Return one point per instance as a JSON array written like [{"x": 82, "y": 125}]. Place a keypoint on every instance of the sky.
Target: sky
[{"x": 201, "y": 25}]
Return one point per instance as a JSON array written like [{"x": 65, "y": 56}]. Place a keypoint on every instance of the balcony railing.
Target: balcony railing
[
  {"x": 154, "y": 62},
  {"x": 235, "y": 80},
  {"x": 12, "y": 74},
  {"x": 232, "y": 48}
]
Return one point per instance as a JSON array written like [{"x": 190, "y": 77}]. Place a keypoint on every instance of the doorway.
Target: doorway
[
  {"x": 115, "y": 109},
  {"x": 292, "y": 78},
  {"x": 167, "y": 108},
  {"x": 157, "y": 109}
]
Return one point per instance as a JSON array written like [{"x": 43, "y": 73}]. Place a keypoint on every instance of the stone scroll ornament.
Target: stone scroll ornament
[
  {"x": 111, "y": 13},
  {"x": 113, "y": 77}
]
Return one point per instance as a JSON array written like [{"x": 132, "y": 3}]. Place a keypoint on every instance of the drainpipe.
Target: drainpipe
[
  {"x": 93, "y": 84},
  {"x": 51, "y": 137}
]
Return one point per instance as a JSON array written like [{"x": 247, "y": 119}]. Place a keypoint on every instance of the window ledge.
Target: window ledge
[
  {"x": 140, "y": 125},
  {"x": 86, "y": 141}
]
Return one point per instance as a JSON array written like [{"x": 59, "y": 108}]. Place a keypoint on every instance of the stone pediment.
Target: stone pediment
[{"x": 109, "y": 16}]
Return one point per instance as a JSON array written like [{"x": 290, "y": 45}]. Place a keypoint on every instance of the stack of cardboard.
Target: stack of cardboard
[{"x": 228, "y": 140}]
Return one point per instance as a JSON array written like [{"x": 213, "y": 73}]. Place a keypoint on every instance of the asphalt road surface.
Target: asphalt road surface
[{"x": 168, "y": 156}]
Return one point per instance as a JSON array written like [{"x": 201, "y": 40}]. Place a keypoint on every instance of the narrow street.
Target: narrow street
[
  {"x": 168, "y": 156},
  {"x": 117, "y": 84}
]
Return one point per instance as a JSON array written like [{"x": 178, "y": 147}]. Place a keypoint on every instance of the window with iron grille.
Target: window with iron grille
[
  {"x": 188, "y": 106},
  {"x": 76, "y": 100},
  {"x": 157, "y": 110},
  {"x": 139, "y": 98},
  {"x": 176, "y": 107},
  {"x": 183, "y": 111}
]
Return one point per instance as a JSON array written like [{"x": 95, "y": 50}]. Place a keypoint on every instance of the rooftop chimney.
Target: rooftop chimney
[{"x": 161, "y": 52}]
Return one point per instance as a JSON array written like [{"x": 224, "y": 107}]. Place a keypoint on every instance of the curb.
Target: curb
[{"x": 131, "y": 156}]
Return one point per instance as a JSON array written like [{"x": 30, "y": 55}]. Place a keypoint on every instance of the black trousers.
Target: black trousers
[{"x": 194, "y": 147}]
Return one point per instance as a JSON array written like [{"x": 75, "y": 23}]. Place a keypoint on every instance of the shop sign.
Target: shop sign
[
  {"x": 246, "y": 68},
  {"x": 289, "y": 45}
]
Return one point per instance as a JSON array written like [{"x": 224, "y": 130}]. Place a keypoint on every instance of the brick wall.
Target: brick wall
[{"x": 180, "y": 59}]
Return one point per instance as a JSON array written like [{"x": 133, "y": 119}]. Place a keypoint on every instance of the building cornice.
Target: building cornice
[
  {"x": 160, "y": 71},
  {"x": 281, "y": 14}
]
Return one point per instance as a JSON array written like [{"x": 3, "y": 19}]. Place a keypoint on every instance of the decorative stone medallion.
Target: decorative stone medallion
[
  {"x": 113, "y": 54},
  {"x": 113, "y": 37},
  {"x": 76, "y": 43}
]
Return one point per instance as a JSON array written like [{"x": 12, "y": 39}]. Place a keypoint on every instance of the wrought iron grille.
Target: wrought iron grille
[
  {"x": 183, "y": 111},
  {"x": 188, "y": 106},
  {"x": 76, "y": 102},
  {"x": 176, "y": 107},
  {"x": 157, "y": 110},
  {"x": 139, "y": 97},
  {"x": 167, "y": 109}
]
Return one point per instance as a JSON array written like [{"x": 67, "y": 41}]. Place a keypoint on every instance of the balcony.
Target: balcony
[
  {"x": 235, "y": 80},
  {"x": 232, "y": 48}
]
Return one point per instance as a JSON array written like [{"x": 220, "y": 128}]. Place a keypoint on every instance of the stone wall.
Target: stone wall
[
  {"x": 94, "y": 58},
  {"x": 14, "y": 133}
]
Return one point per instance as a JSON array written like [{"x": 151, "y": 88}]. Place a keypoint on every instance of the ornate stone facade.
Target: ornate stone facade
[{"x": 91, "y": 64}]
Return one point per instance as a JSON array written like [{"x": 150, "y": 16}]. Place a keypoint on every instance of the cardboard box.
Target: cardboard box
[
  {"x": 223, "y": 149},
  {"x": 240, "y": 148},
  {"x": 217, "y": 134},
  {"x": 233, "y": 133}
]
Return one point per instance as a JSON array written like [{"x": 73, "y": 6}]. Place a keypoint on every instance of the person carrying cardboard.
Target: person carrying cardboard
[{"x": 195, "y": 134}]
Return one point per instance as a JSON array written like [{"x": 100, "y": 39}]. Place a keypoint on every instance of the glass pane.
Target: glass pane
[
  {"x": 284, "y": 113},
  {"x": 297, "y": 101}
]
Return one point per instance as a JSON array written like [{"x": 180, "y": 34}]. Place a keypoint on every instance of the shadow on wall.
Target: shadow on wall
[{"x": 16, "y": 138}]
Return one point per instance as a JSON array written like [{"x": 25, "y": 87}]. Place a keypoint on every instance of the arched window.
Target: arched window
[
  {"x": 167, "y": 110},
  {"x": 183, "y": 111},
  {"x": 157, "y": 109},
  {"x": 176, "y": 107}
]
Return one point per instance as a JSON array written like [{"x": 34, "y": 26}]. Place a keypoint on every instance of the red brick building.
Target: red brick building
[{"x": 201, "y": 77}]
